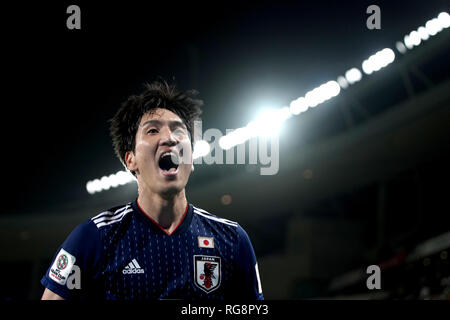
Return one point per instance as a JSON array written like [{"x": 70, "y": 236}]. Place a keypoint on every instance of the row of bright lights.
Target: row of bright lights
[
  {"x": 432, "y": 27},
  {"x": 107, "y": 182},
  {"x": 379, "y": 60},
  {"x": 270, "y": 121}
]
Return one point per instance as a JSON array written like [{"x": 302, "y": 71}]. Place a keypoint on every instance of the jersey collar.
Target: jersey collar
[{"x": 182, "y": 226}]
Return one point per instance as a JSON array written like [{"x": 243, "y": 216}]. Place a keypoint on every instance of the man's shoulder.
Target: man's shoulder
[
  {"x": 111, "y": 216},
  {"x": 228, "y": 226},
  {"x": 203, "y": 214}
]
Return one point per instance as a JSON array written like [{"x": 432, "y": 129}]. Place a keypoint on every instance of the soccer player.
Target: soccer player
[{"x": 158, "y": 246}]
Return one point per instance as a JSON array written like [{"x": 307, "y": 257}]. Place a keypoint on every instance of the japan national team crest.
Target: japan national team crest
[{"x": 207, "y": 272}]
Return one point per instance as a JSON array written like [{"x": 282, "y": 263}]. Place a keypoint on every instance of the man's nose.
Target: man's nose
[{"x": 167, "y": 137}]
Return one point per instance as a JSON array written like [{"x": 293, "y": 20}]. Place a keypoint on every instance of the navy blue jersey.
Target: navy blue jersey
[{"x": 123, "y": 254}]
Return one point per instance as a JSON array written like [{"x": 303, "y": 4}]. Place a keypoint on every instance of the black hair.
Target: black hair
[{"x": 157, "y": 94}]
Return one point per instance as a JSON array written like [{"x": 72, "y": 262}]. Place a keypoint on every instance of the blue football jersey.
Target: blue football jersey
[{"x": 122, "y": 254}]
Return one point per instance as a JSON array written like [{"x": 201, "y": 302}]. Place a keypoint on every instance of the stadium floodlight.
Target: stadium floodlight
[
  {"x": 342, "y": 82},
  {"x": 92, "y": 186},
  {"x": 322, "y": 93},
  {"x": 353, "y": 75},
  {"x": 423, "y": 33},
  {"x": 367, "y": 68},
  {"x": 433, "y": 26},
  {"x": 242, "y": 134},
  {"x": 105, "y": 183},
  {"x": 284, "y": 114},
  {"x": 379, "y": 60},
  {"x": 237, "y": 137},
  {"x": 408, "y": 42},
  {"x": 401, "y": 47},
  {"x": 415, "y": 38},
  {"x": 124, "y": 177},
  {"x": 268, "y": 122},
  {"x": 444, "y": 19},
  {"x": 334, "y": 88},
  {"x": 113, "y": 180},
  {"x": 298, "y": 106},
  {"x": 225, "y": 142},
  {"x": 201, "y": 149},
  {"x": 108, "y": 182},
  {"x": 331, "y": 89},
  {"x": 311, "y": 98}
]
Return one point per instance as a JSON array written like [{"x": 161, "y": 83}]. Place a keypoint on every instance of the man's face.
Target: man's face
[{"x": 163, "y": 153}]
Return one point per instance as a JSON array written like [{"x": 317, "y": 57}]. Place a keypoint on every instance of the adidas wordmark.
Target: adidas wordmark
[{"x": 132, "y": 268}]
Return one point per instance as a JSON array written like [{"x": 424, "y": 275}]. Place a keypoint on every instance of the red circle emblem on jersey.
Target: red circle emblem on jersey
[
  {"x": 62, "y": 261},
  {"x": 205, "y": 242}
]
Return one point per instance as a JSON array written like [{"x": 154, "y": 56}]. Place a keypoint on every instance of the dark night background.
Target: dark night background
[{"x": 360, "y": 182}]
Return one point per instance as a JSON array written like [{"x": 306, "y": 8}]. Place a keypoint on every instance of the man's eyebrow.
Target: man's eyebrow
[
  {"x": 153, "y": 122},
  {"x": 176, "y": 123}
]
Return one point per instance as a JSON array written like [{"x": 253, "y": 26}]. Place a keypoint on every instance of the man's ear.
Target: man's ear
[{"x": 130, "y": 161}]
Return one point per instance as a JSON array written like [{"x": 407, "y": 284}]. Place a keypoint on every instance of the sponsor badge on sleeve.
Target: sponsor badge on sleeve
[{"x": 62, "y": 267}]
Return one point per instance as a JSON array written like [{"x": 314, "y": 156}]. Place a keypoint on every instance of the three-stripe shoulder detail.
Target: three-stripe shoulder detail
[
  {"x": 208, "y": 215},
  {"x": 110, "y": 217}
]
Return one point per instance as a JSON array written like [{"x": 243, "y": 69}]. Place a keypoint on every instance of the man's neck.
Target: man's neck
[{"x": 166, "y": 211}]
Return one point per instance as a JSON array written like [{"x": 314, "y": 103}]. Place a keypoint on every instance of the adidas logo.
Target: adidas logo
[{"x": 133, "y": 267}]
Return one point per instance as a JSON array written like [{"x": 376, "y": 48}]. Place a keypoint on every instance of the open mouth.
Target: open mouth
[{"x": 168, "y": 163}]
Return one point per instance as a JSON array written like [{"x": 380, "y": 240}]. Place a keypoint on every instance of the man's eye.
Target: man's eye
[
  {"x": 152, "y": 131},
  {"x": 179, "y": 132}
]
